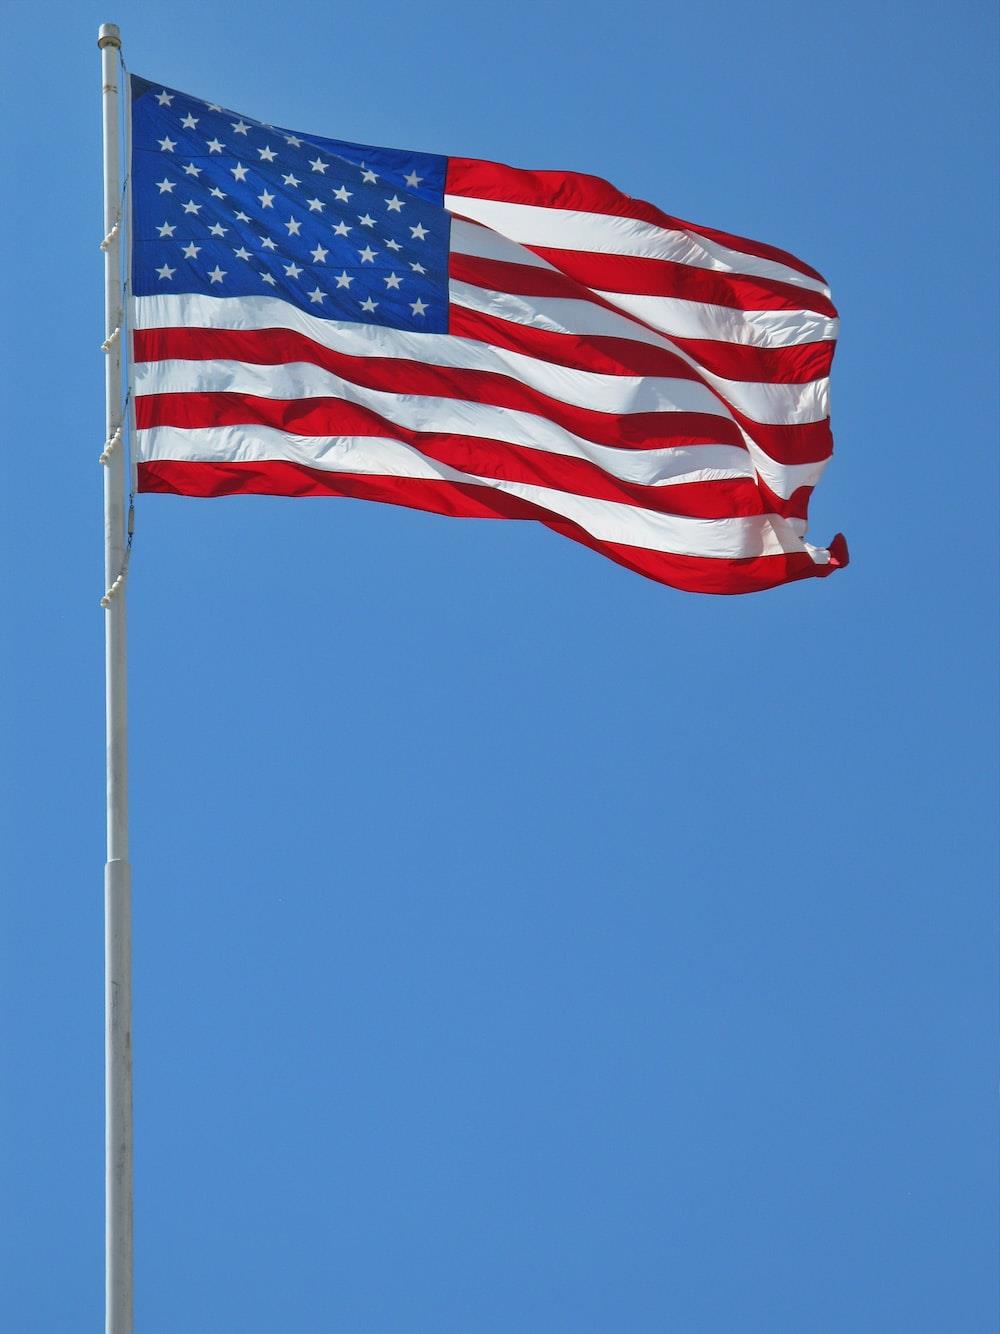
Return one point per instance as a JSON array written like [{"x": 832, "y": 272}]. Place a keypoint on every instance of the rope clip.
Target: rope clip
[{"x": 110, "y": 445}]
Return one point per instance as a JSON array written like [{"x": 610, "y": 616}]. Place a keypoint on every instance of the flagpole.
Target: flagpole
[{"x": 117, "y": 872}]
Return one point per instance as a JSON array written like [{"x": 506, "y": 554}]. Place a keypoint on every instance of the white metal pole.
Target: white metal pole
[{"x": 117, "y": 873}]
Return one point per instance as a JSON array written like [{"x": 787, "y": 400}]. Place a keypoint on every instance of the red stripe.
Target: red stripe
[
  {"x": 667, "y": 277},
  {"x": 796, "y": 364},
  {"x": 324, "y": 418},
  {"x": 695, "y": 574},
  {"x": 603, "y": 353},
  {"x": 517, "y": 279},
  {"x": 811, "y": 442},
  {"x": 808, "y": 443},
  {"x": 590, "y": 194},
  {"x": 795, "y": 507},
  {"x": 269, "y": 347}
]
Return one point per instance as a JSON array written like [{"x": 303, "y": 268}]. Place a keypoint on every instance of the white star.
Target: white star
[
  {"x": 192, "y": 170},
  {"x": 292, "y": 269},
  {"x": 267, "y": 243},
  {"x": 189, "y": 121},
  {"x": 291, "y": 139},
  {"x": 393, "y": 245},
  {"x": 315, "y": 205},
  {"x": 367, "y": 175},
  {"x": 165, "y": 98},
  {"x": 266, "y": 200},
  {"x": 319, "y": 255},
  {"x": 369, "y": 304},
  {"x": 167, "y": 145},
  {"x": 291, "y": 180},
  {"x": 191, "y": 250},
  {"x": 316, "y": 295},
  {"x": 213, "y": 106},
  {"x": 418, "y": 307},
  {"x": 318, "y": 164},
  {"x": 216, "y": 192},
  {"x": 413, "y": 180},
  {"x": 166, "y": 271},
  {"x": 217, "y": 230},
  {"x": 241, "y": 216},
  {"x": 342, "y": 194},
  {"x": 367, "y": 220},
  {"x": 192, "y": 207},
  {"x": 344, "y": 279},
  {"x": 166, "y": 186},
  {"x": 419, "y": 232},
  {"x": 239, "y": 171},
  {"x": 241, "y": 127},
  {"x": 242, "y": 253},
  {"x": 268, "y": 278},
  {"x": 292, "y": 227},
  {"x": 395, "y": 204},
  {"x": 341, "y": 229},
  {"x": 367, "y": 255},
  {"x": 392, "y": 280},
  {"x": 167, "y": 229},
  {"x": 418, "y": 268},
  {"x": 214, "y": 146},
  {"x": 266, "y": 154},
  {"x": 217, "y": 274}
]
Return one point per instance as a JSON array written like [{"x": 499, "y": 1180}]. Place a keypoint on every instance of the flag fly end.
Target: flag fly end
[{"x": 839, "y": 554}]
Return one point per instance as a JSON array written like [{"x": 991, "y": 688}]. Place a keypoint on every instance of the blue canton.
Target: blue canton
[{"x": 228, "y": 206}]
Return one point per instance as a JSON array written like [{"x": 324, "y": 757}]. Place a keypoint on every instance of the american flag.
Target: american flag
[{"x": 319, "y": 318}]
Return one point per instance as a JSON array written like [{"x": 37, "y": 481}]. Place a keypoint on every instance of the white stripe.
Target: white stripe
[
  {"x": 469, "y": 238},
  {"x": 688, "y": 319},
  {"x": 645, "y": 467},
  {"x": 766, "y": 403},
  {"x": 605, "y": 520},
  {"x": 673, "y": 315},
  {"x": 610, "y": 394},
  {"x": 450, "y": 416},
  {"x": 569, "y": 229},
  {"x": 554, "y": 314},
  {"x": 784, "y": 479},
  {"x": 587, "y": 389},
  {"x": 698, "y": 319}
]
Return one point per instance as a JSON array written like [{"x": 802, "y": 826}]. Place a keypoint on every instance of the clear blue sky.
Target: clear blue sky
[{"x": 521, "y": 945}]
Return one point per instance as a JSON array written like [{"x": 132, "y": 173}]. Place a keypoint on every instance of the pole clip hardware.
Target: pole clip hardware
[
  {"x": 106, "y": 599},
  {"x": 123, "y": 572},
  {"x": 110, "y": 237},
  {"x": 110, "y": 341},
  {"x": 110, "y": 445}
]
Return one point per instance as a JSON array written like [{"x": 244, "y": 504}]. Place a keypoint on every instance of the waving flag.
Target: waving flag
[{"x": 320, "y": 318}]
